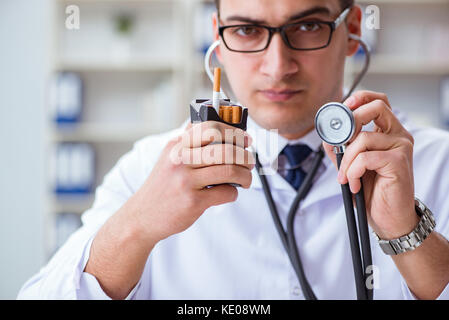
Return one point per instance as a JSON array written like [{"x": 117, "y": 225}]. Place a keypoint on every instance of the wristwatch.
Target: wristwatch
[{"x": 415, "y": 238}]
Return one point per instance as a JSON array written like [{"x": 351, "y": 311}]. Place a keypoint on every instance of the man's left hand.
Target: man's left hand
[{"x": 384, "y": 158}]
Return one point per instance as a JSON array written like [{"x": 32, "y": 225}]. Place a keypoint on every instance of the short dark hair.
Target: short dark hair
[{"x": 343, "y": 3}]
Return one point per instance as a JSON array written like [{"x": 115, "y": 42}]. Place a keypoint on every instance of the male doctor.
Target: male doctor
[{"x": 156, "y": 231}]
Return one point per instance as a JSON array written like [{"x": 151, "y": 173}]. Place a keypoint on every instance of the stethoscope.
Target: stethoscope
[{"x": 334, "y": 123}]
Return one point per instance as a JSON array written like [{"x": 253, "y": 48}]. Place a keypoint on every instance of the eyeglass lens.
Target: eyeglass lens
[{"x": 304, "y": 35}]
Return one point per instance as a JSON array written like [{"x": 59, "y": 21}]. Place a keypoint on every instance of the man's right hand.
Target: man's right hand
[
  {"x": 177, "y": 191},
  {"x": 173, "y": 197}
]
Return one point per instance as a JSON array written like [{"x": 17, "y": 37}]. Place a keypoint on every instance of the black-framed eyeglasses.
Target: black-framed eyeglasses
[{"x": 305, "y": 35}]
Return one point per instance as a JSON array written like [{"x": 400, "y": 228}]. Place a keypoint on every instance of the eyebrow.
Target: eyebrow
[{"x": 297, "y": 16}]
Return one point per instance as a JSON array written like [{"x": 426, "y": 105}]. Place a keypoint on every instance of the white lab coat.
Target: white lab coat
[{"x": 233, "y": 251}]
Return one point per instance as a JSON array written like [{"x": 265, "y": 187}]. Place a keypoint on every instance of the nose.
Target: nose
[{"x": 278, "y": 62}]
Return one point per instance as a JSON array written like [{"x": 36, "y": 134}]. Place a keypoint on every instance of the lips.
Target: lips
[{"x": 277, "y": 95}]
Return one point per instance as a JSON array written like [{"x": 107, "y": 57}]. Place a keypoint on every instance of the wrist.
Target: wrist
[
  {"x": 412, "y": 240},
  {"x": 134, "y": 224},
  {"x": 405, "y": 227},
  {"x": 118, "y": 254}
]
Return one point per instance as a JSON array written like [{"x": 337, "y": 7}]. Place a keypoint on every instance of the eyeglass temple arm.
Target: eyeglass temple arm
[{"x": 342, "y": 17}]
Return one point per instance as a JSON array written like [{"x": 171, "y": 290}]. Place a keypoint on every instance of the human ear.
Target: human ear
[{"x": 354, "y": 25}]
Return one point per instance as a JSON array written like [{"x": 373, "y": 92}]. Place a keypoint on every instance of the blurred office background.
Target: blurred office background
[{"x": 72, "y": 101}]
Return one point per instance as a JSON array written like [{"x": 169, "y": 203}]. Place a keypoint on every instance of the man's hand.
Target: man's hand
[
  {"x": 172, "y": 198},
  {"x": 176, "y": 193},
  {"x": 384, "y": 158}
]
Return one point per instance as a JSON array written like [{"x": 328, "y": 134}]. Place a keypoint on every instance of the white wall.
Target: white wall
[{"x": 24, "y": 58}]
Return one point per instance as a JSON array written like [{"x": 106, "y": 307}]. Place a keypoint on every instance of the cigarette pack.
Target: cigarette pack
[{"x": 201, "y": 110}]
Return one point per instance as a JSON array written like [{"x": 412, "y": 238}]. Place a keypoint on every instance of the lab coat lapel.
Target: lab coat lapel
[{"x": 325, "y": 187}]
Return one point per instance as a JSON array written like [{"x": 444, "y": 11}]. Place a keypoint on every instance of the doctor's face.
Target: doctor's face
[{"x": 284, "y": 88}]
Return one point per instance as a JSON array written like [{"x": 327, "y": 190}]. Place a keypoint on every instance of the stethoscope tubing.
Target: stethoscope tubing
[
  {"x": 364, "y": 238},
  {"x": 288, "y": 238},
  {"x": 357, "y": 264}
]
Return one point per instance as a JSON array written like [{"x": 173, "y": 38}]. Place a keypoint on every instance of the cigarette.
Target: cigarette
[
  {"x": 217, "y": 89},
  {"x": 227, "y": 113},
  {"x": 236, "y": 114}
]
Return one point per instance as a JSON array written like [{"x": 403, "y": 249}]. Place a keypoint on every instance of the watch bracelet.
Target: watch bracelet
[{"x": 415, "y": 238}]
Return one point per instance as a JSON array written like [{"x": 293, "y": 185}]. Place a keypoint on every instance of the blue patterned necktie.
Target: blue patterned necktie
[{"x": 296, "y": 154}]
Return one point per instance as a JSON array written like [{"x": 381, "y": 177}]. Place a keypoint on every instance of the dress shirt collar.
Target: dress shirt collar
[{"x": 269, "y": 144}]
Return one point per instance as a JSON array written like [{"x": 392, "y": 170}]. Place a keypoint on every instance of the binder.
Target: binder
[
  {"x": 75, "y": 169},
  {"x": 66, "y": 97}
]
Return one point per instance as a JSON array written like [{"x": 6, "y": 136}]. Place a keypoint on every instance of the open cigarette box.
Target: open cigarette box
[{"x": 230, "y": 113}]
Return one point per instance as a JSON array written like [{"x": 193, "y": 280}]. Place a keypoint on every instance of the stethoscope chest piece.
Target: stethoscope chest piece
[{"x": 335, "y": 123}]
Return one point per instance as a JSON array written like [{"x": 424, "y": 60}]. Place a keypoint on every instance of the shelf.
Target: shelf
[
  {"x": 133, "y": 65},
  {"x": 72, "y": 203},
  {"x": 390, "y": 65},
  {"x": 118, "y": 1},
  {"x": 86, "y": 132}
]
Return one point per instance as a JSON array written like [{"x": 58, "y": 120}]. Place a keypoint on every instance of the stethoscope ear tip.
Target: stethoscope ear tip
[{"x": 354, "y": 37}]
